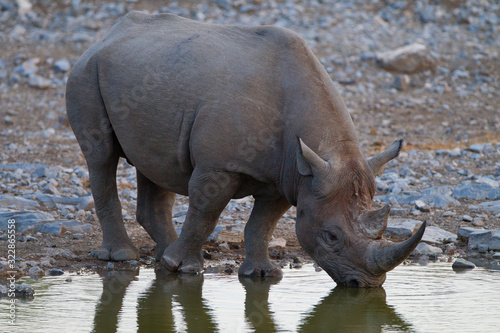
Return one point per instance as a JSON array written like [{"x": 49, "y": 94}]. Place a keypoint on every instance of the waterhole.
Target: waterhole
[{"x": 414, "y": 298}]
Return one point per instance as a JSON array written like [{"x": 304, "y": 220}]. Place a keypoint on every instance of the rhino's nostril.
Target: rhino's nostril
[{"x": 353, "y": 283}]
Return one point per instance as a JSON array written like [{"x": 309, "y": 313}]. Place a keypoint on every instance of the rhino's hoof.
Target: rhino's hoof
[
  {"x": 268, "y": 270},
  {"x": 184, "y": 268},
  {"x": 121, "y": 254},
  {"x": 169, "y": 263}
]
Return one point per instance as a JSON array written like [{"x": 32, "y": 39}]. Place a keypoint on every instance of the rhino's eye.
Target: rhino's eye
[
  {"x": 332, "y": 237},
  {"x": 329, "y": 237}
]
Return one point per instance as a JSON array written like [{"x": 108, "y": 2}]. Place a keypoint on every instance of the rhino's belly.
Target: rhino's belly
[{"x": 156, "y": 142}]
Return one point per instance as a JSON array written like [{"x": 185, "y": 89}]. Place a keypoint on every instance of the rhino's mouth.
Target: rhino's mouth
[{"x": 357, "y": 280}]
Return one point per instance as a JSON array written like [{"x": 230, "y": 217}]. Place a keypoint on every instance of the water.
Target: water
[{"x": 415, "y": 298}]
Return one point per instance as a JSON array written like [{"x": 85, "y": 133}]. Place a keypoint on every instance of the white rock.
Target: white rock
[
  {"x": 426, "y": 249},
  {"x": 435, "y": 235},
  {"x": 413, "y": 58},
  {"x": 278, "y": 242}
]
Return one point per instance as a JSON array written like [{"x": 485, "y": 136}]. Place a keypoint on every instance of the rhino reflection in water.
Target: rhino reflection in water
[
  {"x": 155, "y": 306},
  {"x": 354, "y": 310},
  {"x": 343, "y": 310},
  {"x": 219, "y": 112}
]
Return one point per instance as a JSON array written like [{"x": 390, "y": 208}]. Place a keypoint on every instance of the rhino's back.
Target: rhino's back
[{"x": 180, "y": 93}]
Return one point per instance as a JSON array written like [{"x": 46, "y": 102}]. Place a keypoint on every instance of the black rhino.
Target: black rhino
[{"x": 218, "y": 112}]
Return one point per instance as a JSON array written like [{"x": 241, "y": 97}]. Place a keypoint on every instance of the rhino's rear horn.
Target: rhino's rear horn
[
  {"x": 383, "y": 258},
  {"x": 377, "y": 162}
]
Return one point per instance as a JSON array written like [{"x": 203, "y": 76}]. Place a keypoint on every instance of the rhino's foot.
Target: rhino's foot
[
  {"x": 181, "y": 262},
  {"x": 260, "y": 269},
  {"x": 118, "y": 252},
  {"x": 159, "y": 250}
]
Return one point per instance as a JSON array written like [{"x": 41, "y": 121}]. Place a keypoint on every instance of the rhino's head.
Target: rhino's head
[{"x": 334, "y": 222}]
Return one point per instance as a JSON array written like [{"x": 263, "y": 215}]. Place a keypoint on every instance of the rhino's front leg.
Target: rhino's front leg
[
  {"x": 209, "y": 193},
  {"x": 258, "y": 233}
]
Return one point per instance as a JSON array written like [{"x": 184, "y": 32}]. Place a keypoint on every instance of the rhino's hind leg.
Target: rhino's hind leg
[
  {"x": 209, "y": 193},
  {"x": 116, "y": 244},
  {"x": 154, "y": 213},
  {"x": 258, "y": 233}
]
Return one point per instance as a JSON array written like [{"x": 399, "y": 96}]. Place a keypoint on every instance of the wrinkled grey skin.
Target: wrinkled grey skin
[{"x": 219, "y": 112}]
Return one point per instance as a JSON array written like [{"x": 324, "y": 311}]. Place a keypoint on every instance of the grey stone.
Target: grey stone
[
  {"x": 494, "y": 195},
  {"x": 110, "y": 266},
  {"x": 477, "y": 147},
  {"x": 24, "y": 290},
  {"x": 86, "y": 203},
  {"x": 426, "y": 249},
  {"x": 398, "y": 212},
  {"x": 435, "y": 235},
  {"x": 455, "y": 152},
  {"x": 49, "y": 132},
  {"x": 403, "y": 228},
  {"x": 74, "y": 226},
  {"x": 8, "y": 120},
  {"x": 478, "y": 222},
  {"x": 409, "y": 59},
  {"x": 52, "y": 201},
  {"x": 464, "y": 233},
  {"x": 488, "y": 181},
  {"x": 50, "y": 189},
  {"x": 422, "y": 206},
  {"x": 223, "y": 4},
  {"x": 25, "y": 220},
  {"x": 62, "y": 65},
  {"x": 472, "y": 191},
  {"x": 52, "y": 229},
  {"x": 277, "y": 242},
  {"x": 55, "y": 272},
  {"x": 467, "y": 218},
  {"x": 8, "y": 201},
  {"x": 479, "y": 237},
  {"x": 382, "y": 186},
  {"x": 401, "y": 82},
  {"x": 36, "y": 272},
  {"x": 427, "y": 14},
  {"x": 461, "y": 263},
  {"x": 494, "y": 243},
  {"x": 41, "y": 171},
  {"x": 39, "y": 82},
  {"x": 491, "y": 206},
  {"x": 482, "y": 248}
]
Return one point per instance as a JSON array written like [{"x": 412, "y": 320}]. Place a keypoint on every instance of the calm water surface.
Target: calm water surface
[{"x": 415, "y": 298}]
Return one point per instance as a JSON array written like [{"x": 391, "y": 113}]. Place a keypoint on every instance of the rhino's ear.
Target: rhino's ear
[
  {"x": 308, "y": 162},
  {"x": 377, "y": 162}
]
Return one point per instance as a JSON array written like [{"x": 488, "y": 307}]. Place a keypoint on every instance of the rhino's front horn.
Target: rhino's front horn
[{"x": 383, "y": 258}]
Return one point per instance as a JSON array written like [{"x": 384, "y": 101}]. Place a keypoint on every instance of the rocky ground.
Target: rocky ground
[{"x": 440, "y": 94}]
